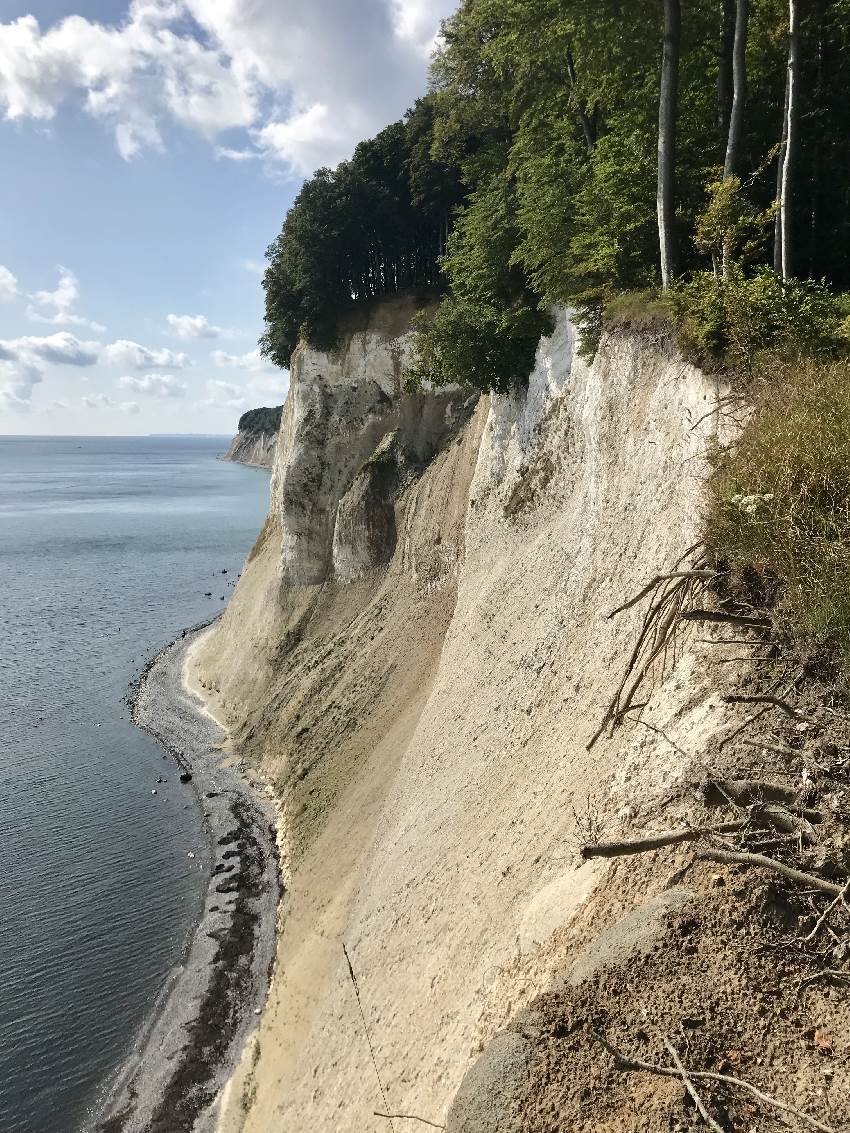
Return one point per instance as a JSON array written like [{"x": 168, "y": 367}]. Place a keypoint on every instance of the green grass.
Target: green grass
[{"x": 779, "y": 500}]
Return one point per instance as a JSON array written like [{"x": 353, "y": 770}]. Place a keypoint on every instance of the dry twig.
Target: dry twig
[
  {"x": 691, "y": 1088},
  {"x": 628, "y": 1064},
  {"x": 409, "y": 1117}
]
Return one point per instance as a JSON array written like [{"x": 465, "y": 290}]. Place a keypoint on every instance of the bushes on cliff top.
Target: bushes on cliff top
[{"x": 779, "y": 499}]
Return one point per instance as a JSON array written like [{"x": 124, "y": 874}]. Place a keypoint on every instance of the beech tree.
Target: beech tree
[
  {"x": 668, "y": 103},
  {"x": 788, "y": 150}
]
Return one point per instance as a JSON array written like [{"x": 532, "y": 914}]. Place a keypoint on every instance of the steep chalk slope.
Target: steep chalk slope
[
  {"x": 424, "y": 696},
  {"x": 252, "y": 448}
]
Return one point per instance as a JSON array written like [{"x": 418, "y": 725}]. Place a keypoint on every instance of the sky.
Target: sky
[{"x": 150, "y": 151}]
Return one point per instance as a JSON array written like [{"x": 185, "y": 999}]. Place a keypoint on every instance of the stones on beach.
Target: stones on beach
[
  {"x": 185, "y": 776},
  {"x": 153, "y": 790}
]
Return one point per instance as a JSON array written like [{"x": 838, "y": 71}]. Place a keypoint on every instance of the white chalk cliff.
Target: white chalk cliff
[{"x": 418, "y": 653}]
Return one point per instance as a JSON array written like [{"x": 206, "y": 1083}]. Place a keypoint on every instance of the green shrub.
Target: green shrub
[
  {"x": 780, "y": 499},
  {"x": 475, "y": 343},
  {"x": 734, "y": 321}
]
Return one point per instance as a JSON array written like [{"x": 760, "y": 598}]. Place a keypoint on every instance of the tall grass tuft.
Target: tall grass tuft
[{"x": 779, "y": 500}]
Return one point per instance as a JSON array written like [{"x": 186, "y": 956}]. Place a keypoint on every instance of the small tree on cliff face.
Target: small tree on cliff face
[{"x": 668, "y": 103}]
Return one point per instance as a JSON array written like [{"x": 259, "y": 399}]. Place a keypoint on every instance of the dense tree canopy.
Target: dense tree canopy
[
  {"x": 532, "y": 172},
  {"x": 265, "y": 419}
]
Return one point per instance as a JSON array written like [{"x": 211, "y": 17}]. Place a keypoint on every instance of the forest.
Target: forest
[{"x": 572, "y": 153}]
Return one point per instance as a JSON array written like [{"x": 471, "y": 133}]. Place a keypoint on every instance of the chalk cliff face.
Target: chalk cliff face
[
  {"x": 419, "y": 652},
  {"x": 252, "y": 448}
]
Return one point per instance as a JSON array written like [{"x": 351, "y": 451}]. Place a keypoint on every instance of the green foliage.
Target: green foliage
[
  {"x": 729, "y": 227},
  {"x": 780, "y": 499},
  {"x": 735, "y": 321},
  {"x": 265, "y": 419},
  {"x": 374, "y": 226}
]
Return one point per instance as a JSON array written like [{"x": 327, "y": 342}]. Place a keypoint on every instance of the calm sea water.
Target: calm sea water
[{"x": 106, "y": 549}]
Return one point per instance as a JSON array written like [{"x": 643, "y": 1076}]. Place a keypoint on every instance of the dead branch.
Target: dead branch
[
  {"x": 659, "y": 578},
  {"x": 841, "y": 899},
  {"x": 691, "y": 1088},
  {"x": 725, "y": 618},
  {"x": 664, "y": 736},
  {"x": 408, "y": 1117},
  {"x": 366, "y": 1031},
  {"x": 658, "y": 841},
  {"x": 630, "y": 1064},
  {"x": 735, "y": 858},
  {"x": 777, "y": 749},
  {"x": 830, "y": 973},
  {"x": 747, "y": 791},
  {"x": 771, "y": 701}
]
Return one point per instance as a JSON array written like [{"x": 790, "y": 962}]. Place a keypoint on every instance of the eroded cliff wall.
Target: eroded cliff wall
[
  {"x": 252, "y": 448},
  {"x": 419, "y": 652}
]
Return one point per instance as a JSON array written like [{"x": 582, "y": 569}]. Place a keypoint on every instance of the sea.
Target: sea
[{"x": 108, "y": 548}]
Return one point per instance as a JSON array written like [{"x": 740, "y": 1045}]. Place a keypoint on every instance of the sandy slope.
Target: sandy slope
[{"x": 427, "y": 726}]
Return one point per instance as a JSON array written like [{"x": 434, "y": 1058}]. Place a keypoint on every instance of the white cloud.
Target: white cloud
[
  {"x": 17, "y": 379},
  {"x": 62, "y": 348},
  {"x": 8, "y": 285},
  {"x": 98, "y": 401},
  {"x": 57, "y": 404},
  {"x": 253, "y": 267},
  {"x": 224, "y": 395},
  {"x": 130, "y": 407},
  {"x": 253, "y": 360},
  {"x": 123, "y": 352},
  {"x": 288, "y": 73},
  {"x": 193, "y": 326},
  {"x": 55, "y": 307},
  {"x": 154, "y": 385}
]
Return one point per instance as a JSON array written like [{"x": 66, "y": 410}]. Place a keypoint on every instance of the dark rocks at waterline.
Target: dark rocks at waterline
[{"x": 185, "y": 776}]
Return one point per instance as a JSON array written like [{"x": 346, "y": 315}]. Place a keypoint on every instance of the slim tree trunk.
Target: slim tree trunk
[
  {"x": 667, "y": 111},
  {"x": 787, "y": 199},
  {"x": 780, "y": 165},
  {"x": 724, "y": 67},
  {"x": 587, "y": 125},
  {"x": 739, "y": 88},
  {"x": 736, "y": 117}
]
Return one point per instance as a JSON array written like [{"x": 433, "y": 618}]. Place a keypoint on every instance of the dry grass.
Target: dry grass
[{"x": 780, "y": 500}]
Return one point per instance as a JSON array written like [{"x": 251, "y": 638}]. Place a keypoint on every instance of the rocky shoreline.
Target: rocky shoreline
[{"x": 191, "y": 1043}]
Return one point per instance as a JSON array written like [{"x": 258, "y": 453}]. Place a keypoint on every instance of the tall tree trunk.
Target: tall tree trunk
[
  {"x": 786, "y": 200},
  {"x": 724, "y": 67},
  {"x": 587, "y": 126},
  {"x": 780, "y": 165},
  {"x": 736, "y": 117},
  {"x": 667, "y": 112},
  {"x": 739, "y": 88}
]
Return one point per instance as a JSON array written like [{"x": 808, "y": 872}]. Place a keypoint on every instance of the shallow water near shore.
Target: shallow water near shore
[{"x": 107, "y": 547}]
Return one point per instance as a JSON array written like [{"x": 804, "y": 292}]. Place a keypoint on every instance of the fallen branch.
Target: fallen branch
[
  {"x": 664, "y": 736},
  {"x": 408, "y": 1117},
  {"x": 658, "y": 841},
  {"x": 730, "y": 857},
  {"x": 726, "y": 619},
  {"x": 841, "y": 899},
  {"x": 777, "y": 749},
  {"x": 832, "y": 973},
  {"x": 630, "y": 1064},
  {"x": 691, "y": 1088},
  {"x": 659, "y": 578},
  {"x": 366, "y": 1031},
  {"x": 771, "y": 701}
]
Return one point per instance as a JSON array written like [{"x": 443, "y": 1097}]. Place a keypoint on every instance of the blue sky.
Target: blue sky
[{"x": 150, "y": 152}]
